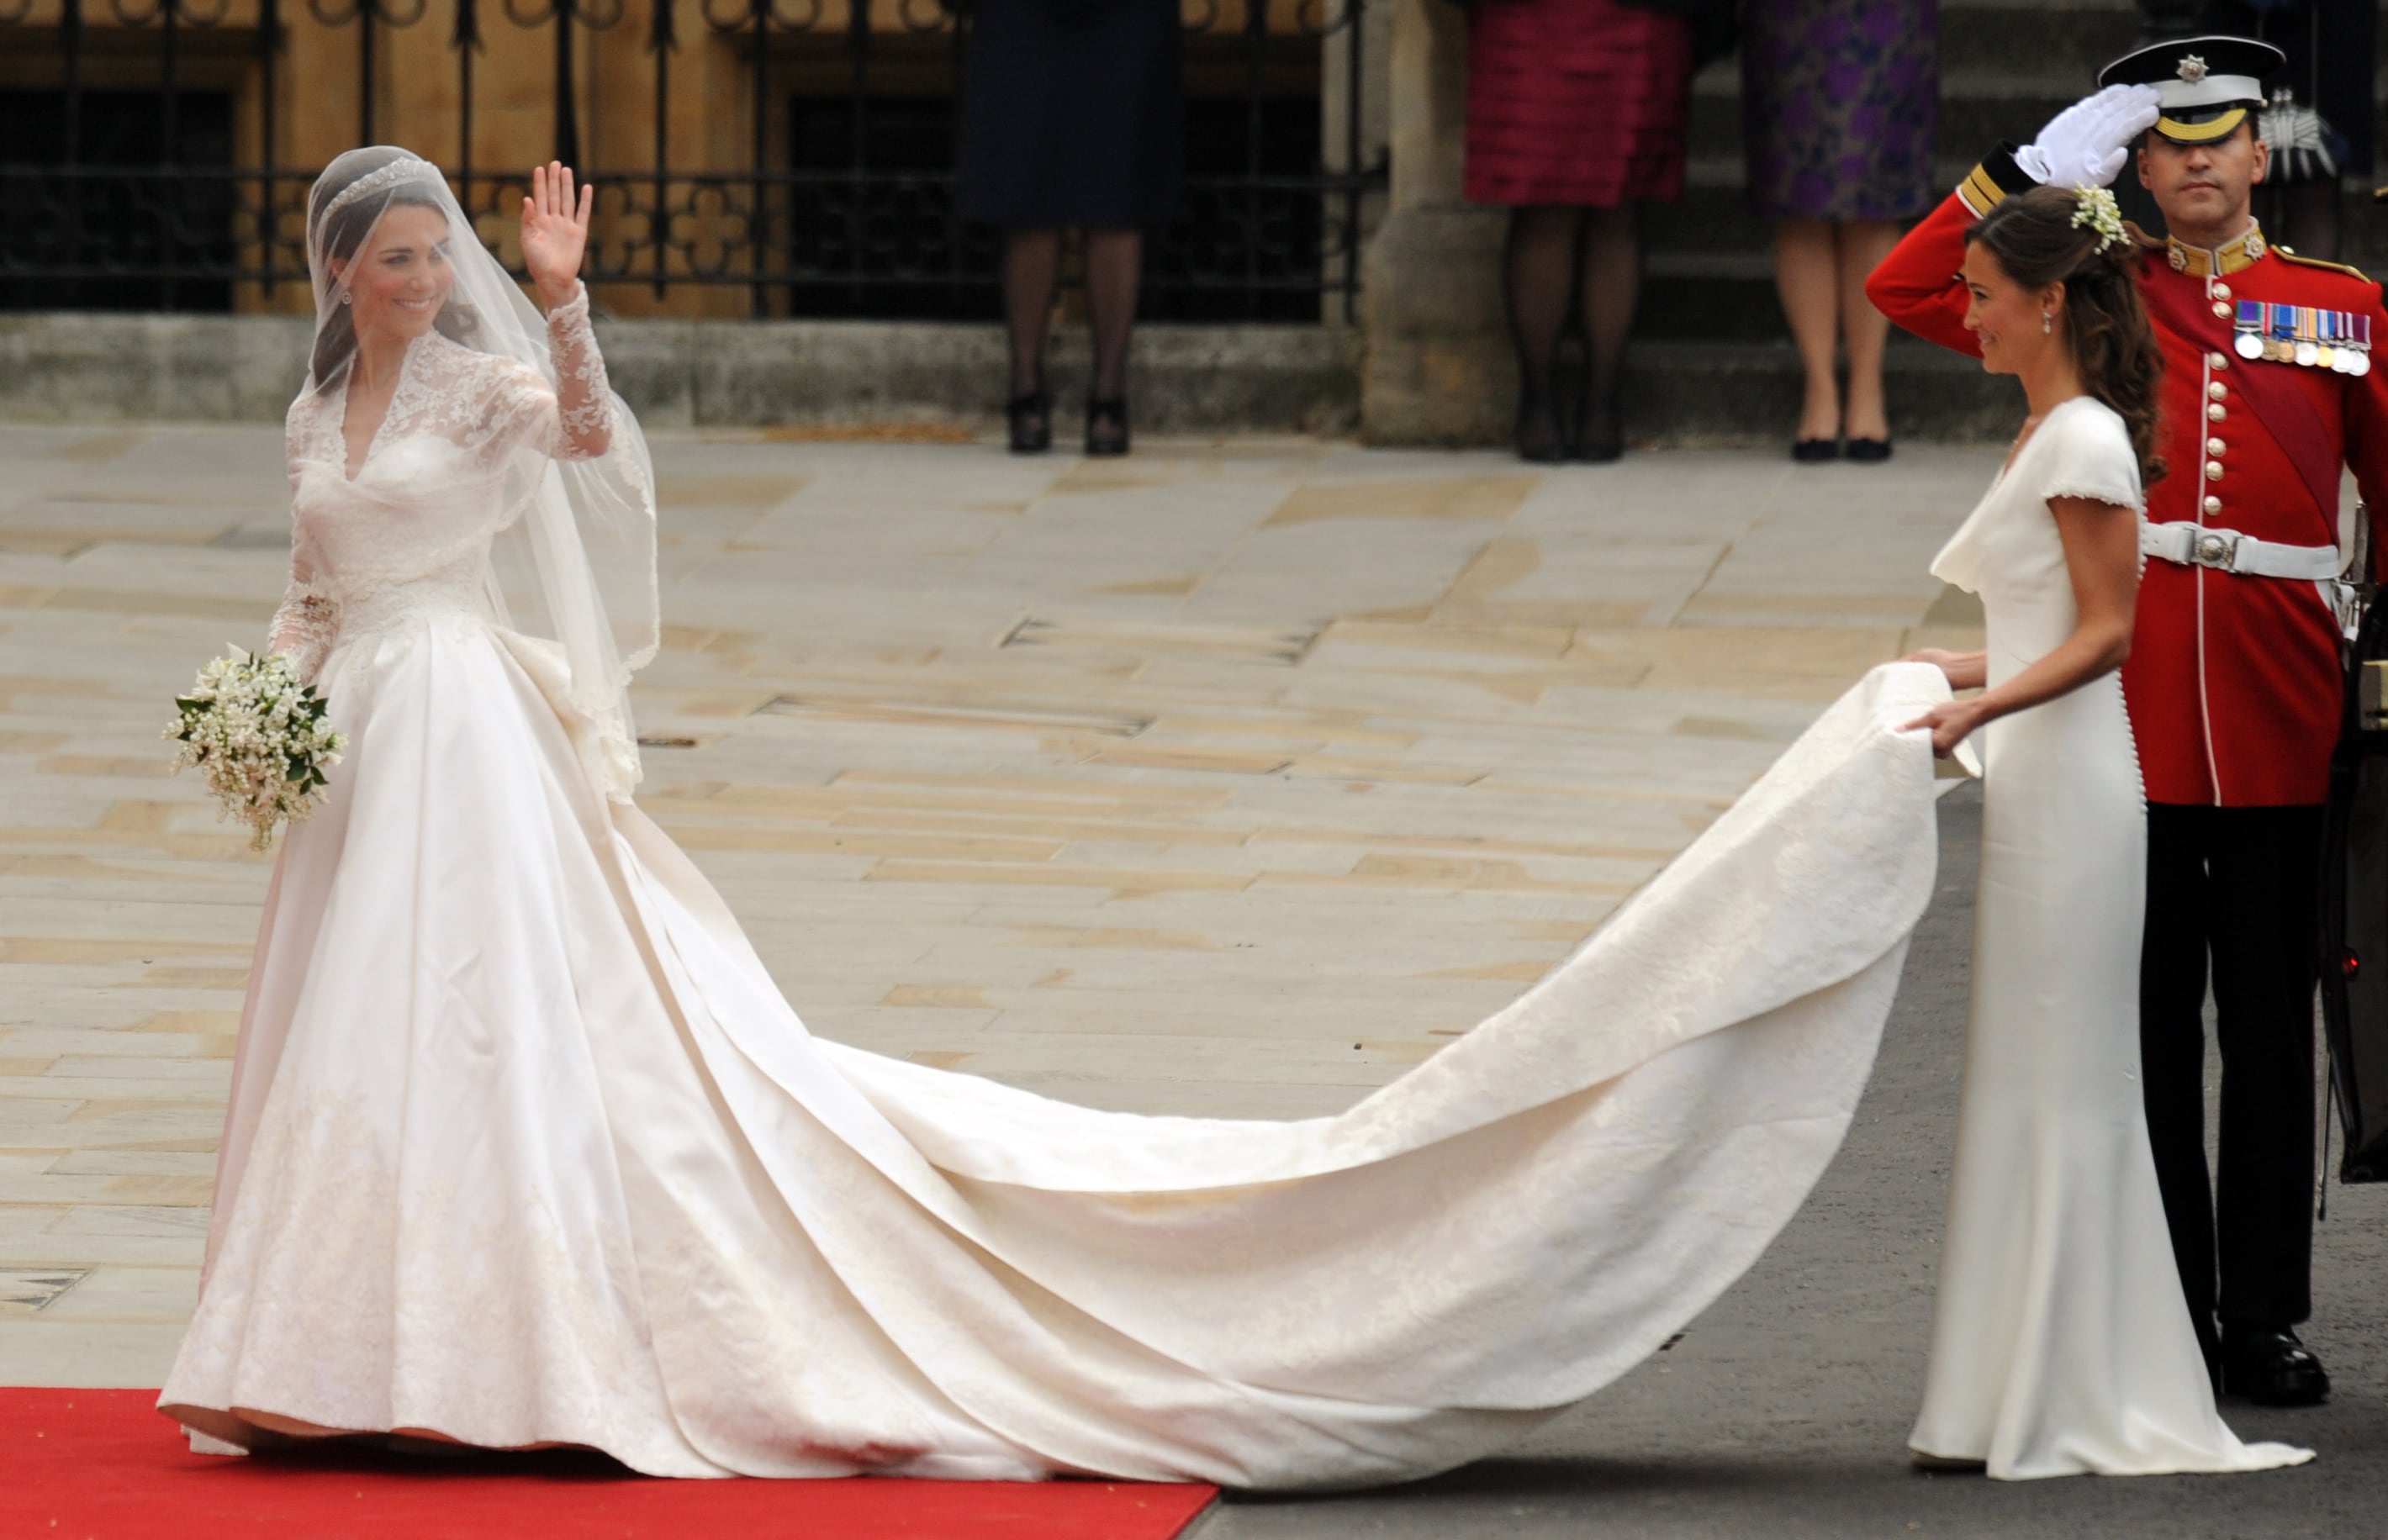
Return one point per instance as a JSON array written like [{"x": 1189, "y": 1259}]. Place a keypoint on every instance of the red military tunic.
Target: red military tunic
[{"x": 2233, "y": 683}]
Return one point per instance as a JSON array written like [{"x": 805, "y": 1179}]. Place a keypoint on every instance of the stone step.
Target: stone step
[
  {"x": 2023, "y": 36},
  {"x": 1747, "y": 394},
  {"x": 1711, "y": 296}
]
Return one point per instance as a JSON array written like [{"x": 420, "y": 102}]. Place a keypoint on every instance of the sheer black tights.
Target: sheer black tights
[
  {"x": 1032, "y": 278},
  {"x": 1560, "y": 264}
]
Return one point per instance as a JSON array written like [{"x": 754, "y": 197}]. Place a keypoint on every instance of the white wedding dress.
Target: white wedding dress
[
  {"x": 524, "y": 1148},
  {"x": 2060, "y": 1343}
]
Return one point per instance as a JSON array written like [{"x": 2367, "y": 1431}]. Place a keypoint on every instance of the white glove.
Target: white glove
[{"x": 2085, "y": 145}]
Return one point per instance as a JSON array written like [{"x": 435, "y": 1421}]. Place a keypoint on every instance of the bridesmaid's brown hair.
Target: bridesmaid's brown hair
[{"x": 2036, "y": 242}]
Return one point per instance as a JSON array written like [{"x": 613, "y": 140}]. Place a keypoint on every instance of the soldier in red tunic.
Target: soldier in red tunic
[{"x": 2233, "y": 681}]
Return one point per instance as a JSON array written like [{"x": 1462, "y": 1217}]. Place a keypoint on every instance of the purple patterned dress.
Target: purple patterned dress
[{"x": 1840, "y": 100}]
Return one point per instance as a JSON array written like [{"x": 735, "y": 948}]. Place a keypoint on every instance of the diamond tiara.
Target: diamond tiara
[{"x": 404, "y": 169}]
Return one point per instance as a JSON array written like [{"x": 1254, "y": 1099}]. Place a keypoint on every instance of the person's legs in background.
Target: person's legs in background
[
  {"x": 1860, "y": 247},
  {"x": 1114, "y": 276},
  {"x": 1537, "y": 287},
  {"x": 1032, "y": 275},
  {"x": 1807, "y": 275},
  {"x": 1611, "y": 288}
]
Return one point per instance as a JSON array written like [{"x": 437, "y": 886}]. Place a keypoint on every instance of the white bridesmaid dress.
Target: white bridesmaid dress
[
  {"x": 524, "y": 1147},
  {"x": 2060, "y": 1343}
]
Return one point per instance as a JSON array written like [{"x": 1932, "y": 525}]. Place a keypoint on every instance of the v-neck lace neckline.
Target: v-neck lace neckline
[{"x": 389, "y": 411}]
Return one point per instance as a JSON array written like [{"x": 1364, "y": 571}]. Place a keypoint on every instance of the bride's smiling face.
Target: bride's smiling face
[
  {"x": 2005, "y": 316},
  {"x": 400, "y": 280}
]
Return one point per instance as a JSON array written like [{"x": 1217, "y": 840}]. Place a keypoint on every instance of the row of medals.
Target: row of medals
[{"x": 2340, "y": 354}]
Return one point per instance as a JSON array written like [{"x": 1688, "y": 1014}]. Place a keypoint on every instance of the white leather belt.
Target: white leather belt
[{"x": 2228, "y": 550}]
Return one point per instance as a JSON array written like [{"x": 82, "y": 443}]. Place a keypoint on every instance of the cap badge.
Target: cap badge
[{"x": 2192, "y": 68}]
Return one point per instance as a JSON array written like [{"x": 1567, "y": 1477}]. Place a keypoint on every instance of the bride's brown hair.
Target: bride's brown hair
[{"x": 2036, "y": 242}]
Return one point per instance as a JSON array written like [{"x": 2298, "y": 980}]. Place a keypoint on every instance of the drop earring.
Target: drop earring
[{"x": 2047, "y": 322}]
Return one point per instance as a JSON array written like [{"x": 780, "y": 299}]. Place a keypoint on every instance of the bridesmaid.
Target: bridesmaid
[
  {"x": 2061, "y": 1340},
  {"x": 1576, "y": 113},
  {"x": 1840, "y": 99}
]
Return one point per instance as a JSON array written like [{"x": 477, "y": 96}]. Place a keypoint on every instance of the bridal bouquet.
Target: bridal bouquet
[{"x": 261, "y": 736}]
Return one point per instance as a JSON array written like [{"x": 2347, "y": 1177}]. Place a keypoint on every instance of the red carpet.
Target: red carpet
[{"x": 103, "y": 1465}]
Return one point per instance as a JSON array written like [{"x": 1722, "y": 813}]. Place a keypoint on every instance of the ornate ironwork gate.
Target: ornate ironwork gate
[{"x": 145, "y": 159}]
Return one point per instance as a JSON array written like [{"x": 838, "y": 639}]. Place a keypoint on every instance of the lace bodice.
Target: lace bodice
[{"x": 409, "y": 532}]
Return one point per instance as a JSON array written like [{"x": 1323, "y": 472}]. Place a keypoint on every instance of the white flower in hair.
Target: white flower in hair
[{"x": 2099, "y": 210}]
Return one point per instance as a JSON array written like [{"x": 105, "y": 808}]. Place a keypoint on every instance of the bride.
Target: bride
[
  {"x": 524, "y": 1148},
  {"x": 2060, "y": 1341}
]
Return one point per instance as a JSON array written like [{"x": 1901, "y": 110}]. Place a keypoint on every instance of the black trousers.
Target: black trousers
[{"x": 2235, "y": 888}]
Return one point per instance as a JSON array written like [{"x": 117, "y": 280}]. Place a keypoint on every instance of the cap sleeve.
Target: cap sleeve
[{"x": 2091, "y": 457}]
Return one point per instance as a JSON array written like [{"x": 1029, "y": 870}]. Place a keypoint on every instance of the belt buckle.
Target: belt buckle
[{"x": 2218, "y": 549}]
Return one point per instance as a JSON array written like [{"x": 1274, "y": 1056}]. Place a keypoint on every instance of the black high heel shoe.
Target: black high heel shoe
[
  {"x": 1600, "y": 435},
  {"x": 1107, "y": 425},
  {"x": 1031, "y": 421},
  {"x": 1537, "y": 436}
]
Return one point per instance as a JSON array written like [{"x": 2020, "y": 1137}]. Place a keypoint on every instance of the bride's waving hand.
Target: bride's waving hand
[
  {"x": 555, "y": 231},
  {"x": 554, "y": 238}
]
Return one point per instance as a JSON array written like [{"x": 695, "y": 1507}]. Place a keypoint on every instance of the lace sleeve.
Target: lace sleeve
[
  {"x": 584, "y": 399},
  {"x": 570, "y": 419},
  {"x": 307, "y": 621}
]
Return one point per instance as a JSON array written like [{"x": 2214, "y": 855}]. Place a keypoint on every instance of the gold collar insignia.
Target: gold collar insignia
[{"x": 2244, "y": 251}]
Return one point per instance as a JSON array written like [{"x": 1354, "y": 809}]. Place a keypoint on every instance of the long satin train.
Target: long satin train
[{"x": 525, "y": 1147}]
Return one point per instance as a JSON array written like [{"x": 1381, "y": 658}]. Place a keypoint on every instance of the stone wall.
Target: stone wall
[{"x": 709, "y": 374}]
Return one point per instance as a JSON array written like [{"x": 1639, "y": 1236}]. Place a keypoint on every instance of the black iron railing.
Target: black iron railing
[{"x": 143, "y": 161}]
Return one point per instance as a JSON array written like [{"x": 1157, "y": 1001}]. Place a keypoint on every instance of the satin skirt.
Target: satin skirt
[{"x": 524, "y": 1148}]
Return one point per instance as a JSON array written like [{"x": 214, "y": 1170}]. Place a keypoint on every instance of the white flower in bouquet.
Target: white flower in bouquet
[{"x": 261, "y": 735}]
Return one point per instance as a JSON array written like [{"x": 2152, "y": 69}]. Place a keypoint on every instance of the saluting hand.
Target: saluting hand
[
  {"x": 555, "y": 231},
  {"x": 2085, "y": 145}
]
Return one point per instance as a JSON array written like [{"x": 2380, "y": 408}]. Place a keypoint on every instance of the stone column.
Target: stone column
[{"x": 1438, "y": 366}]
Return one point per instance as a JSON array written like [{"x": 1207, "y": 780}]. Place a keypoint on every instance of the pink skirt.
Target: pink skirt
[{"x": 1581, "y": 102}]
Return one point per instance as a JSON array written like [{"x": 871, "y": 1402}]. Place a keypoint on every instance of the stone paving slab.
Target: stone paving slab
[{"x": 1228, "y": 778}]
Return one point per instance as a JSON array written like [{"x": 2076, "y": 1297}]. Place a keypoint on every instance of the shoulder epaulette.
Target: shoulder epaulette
[{"x": 2285, "y": 254}]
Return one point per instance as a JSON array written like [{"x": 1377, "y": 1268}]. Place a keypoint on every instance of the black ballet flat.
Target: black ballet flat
[
  {"x": 1869, "y": 451},
  {"x": 2272, "y": 1368},
  {"x": 1107, "y": 426},
  {"x": 1030, "y": 419},
  {"x": 1815, "y": 451}
]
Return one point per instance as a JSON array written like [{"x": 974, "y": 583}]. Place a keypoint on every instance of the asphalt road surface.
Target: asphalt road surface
[{"x": 1784, "y": 1411}]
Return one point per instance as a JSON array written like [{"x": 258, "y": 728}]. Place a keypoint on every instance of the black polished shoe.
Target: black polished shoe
[
  {"x": 1815, "y": 451},
  {"x": 1031, "y": 421},
  {"x": 2272, "y": 1368},
  {"x": 1868, "y": 451},
  {"x": 1107, "y": 425}
]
